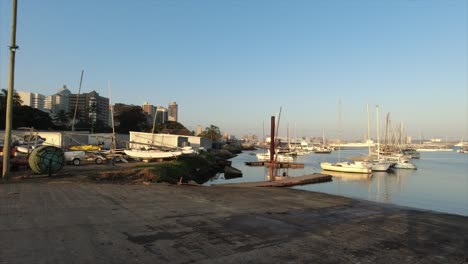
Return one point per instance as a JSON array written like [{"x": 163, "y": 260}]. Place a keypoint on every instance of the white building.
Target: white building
[
  {"x": 199, "y": 130},
  {"x": 34, "y": 100},
  {"x": 140, "y": 140},
  {"x": 60, "y": 100},
  {"x": 64, "y": 139},
  {"x": 51, "y": 104}
]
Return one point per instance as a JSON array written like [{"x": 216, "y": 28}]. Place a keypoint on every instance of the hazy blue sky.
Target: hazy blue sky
[{"x": 235, "y": 63}]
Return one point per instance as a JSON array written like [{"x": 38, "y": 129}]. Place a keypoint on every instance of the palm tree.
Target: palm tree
[
  {"x": 62, "y": 118},
  {"x": 3, "y": 97}
]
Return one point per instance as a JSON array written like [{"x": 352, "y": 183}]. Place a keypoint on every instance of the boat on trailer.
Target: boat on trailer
[{"x": 151, "y": 153}]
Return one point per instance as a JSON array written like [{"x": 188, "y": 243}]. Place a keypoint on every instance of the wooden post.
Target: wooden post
[{"x": 272, "y": 149}]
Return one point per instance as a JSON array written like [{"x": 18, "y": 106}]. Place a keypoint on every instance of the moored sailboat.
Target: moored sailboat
[
  {"x": 376, "y": 164},
  {"x": 278, "y": 157},
  {"x": 405, "y": 164},
  {"x": 353, "y": 167}
]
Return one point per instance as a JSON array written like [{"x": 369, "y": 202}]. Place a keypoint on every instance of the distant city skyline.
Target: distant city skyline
[
  {"x": 234, "y": 64},
  {"x": 64, "y": 100}
]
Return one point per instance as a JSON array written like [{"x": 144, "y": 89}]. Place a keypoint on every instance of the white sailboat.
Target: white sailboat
[
  {"x": 151, "y": 153},
  {"x": 378, "y": 164},
  {"x": 278, "y": 158},
  {"x": 405, "y": 164},
  {"x": 324, "y": 149},
  {"x": 463, "y": 147},
  {"x": 352, "y": 167}
]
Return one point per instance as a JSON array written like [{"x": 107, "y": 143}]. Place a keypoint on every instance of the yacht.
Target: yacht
[{"x": 353, "y": 167}]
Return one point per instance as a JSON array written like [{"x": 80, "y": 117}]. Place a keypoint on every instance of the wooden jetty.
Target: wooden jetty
[
  {"x": 283, "y": 181},
  {"x": 277, "y": 164},
  {"x": 289, "y": 165},
  {"x": 255, "y": 163}
]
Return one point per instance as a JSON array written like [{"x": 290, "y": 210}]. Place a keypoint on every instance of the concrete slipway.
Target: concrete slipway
[{"x": 65, "y": 221}]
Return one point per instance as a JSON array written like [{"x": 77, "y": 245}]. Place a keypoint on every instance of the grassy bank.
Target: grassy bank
[{"x": 198, "y": 168}]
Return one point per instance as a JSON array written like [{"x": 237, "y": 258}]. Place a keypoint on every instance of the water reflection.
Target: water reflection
[
  {"x": 440, "y": 183},
  {"x": 343, "y": 176}
]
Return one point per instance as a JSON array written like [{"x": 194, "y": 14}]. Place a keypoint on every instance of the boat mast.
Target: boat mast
[
  {"x": 113, "y": 142},
  {"x": 401, "y": 135},
  {"x": 277, "y": 133},
  {"x": 340, "y": 132},
  {"x": 378, "y": 132},
  {"x": 277, "y": 124},
  {"x": 368, "y": 130},
  {"x": 155, "y": 112},
  {"x": 76, "y": 103},
  {"x": 323, "y": 137},
  {"x": 388, "y": 132},
  {"x": 263, "y": 136},
  {"x": 295, "y": 136}
]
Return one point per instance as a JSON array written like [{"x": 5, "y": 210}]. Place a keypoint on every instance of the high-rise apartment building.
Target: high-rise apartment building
[
  {"x": 58, "y": 101},
  {"x": 148, "y": 108},
  {"x": 34, "y": 100},
  {"x": 172, "y": 108},
  {"x": 90, "y": 107},
  {"x": 161, "y": 115},
  {"x": 199, "y": 130}
]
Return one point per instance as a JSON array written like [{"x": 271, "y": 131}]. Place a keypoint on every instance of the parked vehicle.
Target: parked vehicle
[{"x": 75, "y": 157}]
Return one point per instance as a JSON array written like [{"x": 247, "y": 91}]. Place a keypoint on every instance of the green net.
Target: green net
[{"x": 46, "y": 159}]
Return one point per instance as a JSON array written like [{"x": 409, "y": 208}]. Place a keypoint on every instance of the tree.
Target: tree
[
  {"x": 3, "y": 105},
  {"x": 16, "y": 99},
  {"x": 100, "y": 127},
  {"x": 62, "y": 119},
  {"x": 26, "y": 116},
  {"x": 92, "y": 115},
  {"x": 131, "y": 118},
  {"x": 170, "y": 125},
  {"x": 212, "y": 132}
]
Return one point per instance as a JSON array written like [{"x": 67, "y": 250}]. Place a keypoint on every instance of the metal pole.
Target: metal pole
[{"x": 9, "y": 107}]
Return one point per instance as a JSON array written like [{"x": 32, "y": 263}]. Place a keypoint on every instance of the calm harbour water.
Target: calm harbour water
[{"x": 440, "y": 183}]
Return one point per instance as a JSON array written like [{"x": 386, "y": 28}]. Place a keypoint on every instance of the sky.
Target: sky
[{"x": 236, "y": 63}]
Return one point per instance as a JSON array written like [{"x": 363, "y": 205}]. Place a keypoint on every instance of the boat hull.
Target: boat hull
[
  {"x": 345, "y": 167},
  {"x": 407, "y": 166},
  {"x": 434, "y": 150},
  {"x": 380, "y": 166},
  {"x": 279, "y": 158},
  {"x": 152, "y": 154},
  {"x": 86, "y": 147},
  {"x": 345, "y": 176}
]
